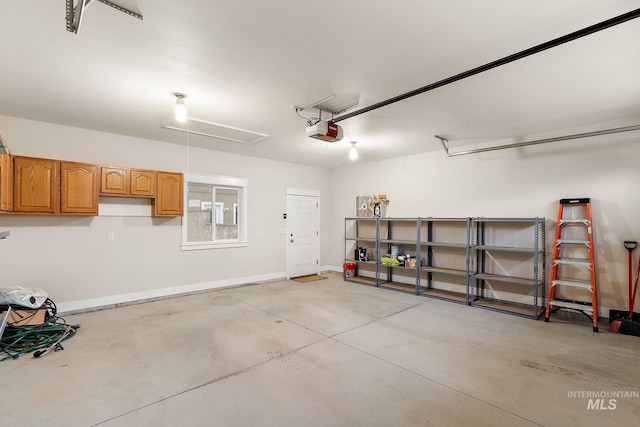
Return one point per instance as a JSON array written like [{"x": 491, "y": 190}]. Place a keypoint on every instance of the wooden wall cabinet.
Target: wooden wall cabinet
[
  {"x": 117, "y": 181},
  {"x": 36, "y": 185},
  {"x": 6, "y": 183},
  {"x": 52, "y": 186},
  {"x": 79, "y": 186},
  {"x": 142, "y": 183},
  {"x": 114, "y": 181},
  {"x": 30, "y": 185},
  {"x": 169, "y": 194}
]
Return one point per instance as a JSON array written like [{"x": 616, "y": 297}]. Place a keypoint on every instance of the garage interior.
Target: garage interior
[{"x": 188, "y": 307}]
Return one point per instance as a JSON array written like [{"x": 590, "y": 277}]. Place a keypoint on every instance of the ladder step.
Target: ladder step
[
  {"x": 564, "y": 304},
  {"x": 574, "y": 221},
  {"x": 572, "y": 242},
  {"x": 578, "y": 201},
  {"x": 573, "y": 261},
  {"x": 574, "y": 283}
]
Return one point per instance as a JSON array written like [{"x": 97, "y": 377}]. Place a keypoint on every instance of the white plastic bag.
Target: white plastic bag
[{"x": 25, "y": 297}]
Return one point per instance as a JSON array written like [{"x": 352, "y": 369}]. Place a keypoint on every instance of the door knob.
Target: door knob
[{"x": 291, "y": 240}]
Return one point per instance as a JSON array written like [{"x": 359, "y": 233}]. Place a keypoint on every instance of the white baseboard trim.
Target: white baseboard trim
[{"x": 112, "y": 301}]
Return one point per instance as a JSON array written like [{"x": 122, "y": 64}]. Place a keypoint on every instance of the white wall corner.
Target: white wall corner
[{"x": 331, "y": 268}]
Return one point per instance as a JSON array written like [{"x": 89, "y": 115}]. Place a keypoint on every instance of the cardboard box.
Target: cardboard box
[{"x": 26, "y": 317}]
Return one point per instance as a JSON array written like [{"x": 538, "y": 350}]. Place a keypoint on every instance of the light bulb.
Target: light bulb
[
  {"x": 181, "y": 109},
  {"x": 353, "y": 153}
]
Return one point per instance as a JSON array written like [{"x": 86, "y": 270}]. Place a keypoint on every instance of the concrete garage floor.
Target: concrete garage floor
[{"x": 325, "y": 353}]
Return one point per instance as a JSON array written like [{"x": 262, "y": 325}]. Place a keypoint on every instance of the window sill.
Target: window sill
[{"x": 196, "y": 247}]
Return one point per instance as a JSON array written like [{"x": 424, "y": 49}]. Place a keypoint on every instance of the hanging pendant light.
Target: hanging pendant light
[
  {"x": 181, "y": 108},
  {"x": 353, "y": 152}
]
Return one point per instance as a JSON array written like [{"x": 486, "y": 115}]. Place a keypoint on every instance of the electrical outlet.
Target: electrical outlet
[{"x": 111, "y": 235}]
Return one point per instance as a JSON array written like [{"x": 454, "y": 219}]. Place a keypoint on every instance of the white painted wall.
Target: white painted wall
[
  {"x": 71, "y": 258},
  {"x": 523, "y": 182}
]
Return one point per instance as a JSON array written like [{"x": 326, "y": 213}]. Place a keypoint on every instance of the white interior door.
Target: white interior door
[{"x": 303, "y": 233}]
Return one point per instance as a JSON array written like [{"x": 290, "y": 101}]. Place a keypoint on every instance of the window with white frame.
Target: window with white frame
[{"x": 215, "y": 212}]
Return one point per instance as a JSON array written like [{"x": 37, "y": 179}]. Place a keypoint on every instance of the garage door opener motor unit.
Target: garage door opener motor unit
[{"x": 325, "y": 130}]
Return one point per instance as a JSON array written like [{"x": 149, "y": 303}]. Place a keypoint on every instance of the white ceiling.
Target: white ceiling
[{"x": 245, "y": 63}]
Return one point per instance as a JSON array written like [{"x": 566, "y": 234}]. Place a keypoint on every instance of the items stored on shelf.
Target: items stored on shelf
[
  {"x": 371, "y": 206},
  {"x": 437, "y": 258}
]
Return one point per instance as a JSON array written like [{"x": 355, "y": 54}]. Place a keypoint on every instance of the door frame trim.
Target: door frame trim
[{"x": 302, "y": 192}]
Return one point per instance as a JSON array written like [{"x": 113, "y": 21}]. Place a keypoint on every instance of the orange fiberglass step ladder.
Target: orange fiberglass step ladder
[{"x": 572, "y": 263}]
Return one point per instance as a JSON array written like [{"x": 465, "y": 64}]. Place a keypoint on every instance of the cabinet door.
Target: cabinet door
[
  {"x": 114, "y": 181},
  {"x": 143, "y": 183},
  {"x": 36, "y": 185},
  {"x": 169, "y": 194},
  {"x": 6, "y": 182},
  {"x": 80, "y": 184}
]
